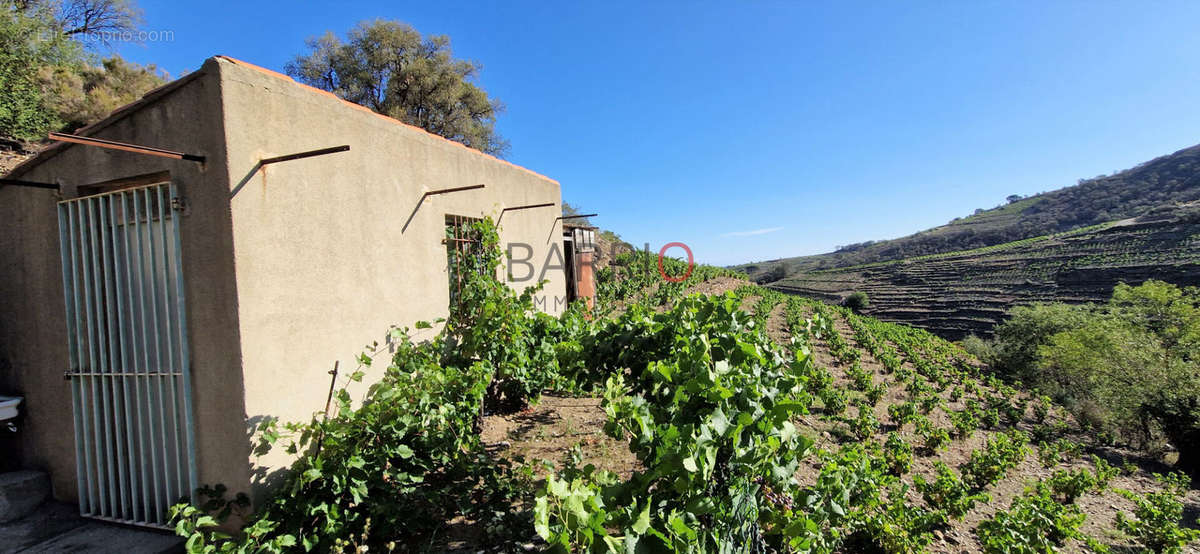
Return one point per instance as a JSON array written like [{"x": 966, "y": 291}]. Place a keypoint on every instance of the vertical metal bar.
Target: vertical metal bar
[
  {"x": 161, "y": 440},
  {"x": 120, "y": 356},
  {"x": 81, "y": 333},
  {"x": 184, "y": 353},
  {"x": 134, "y": 415},
  {"x": 138, "y": 331},
  {"x": 116, "y": 477},
  {"x": 96, "y": 230},
  {"x": 66, "y": 233},
  {"x": 84, "y": 381},
  {"x": 170, "y": 343},
  {"x": 148, "y": 368},
  {"x": 85, "y": 392},
  {"x": 90, "y": 293}
]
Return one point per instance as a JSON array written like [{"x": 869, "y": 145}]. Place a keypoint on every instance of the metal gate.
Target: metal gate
[{"x": 127, "y": 334}]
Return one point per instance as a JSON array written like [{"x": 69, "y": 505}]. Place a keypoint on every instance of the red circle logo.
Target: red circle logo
[{"x": 691, "y": 262}]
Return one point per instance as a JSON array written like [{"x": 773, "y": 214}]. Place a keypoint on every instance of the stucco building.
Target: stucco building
[{"x": 206, "y": 292}]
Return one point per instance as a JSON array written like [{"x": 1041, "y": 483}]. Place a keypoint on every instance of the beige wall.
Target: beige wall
[
  {"x": 33, "y": 343},
  {"x": 323, "y": 260},
  {"x": 288, "y": 268}
]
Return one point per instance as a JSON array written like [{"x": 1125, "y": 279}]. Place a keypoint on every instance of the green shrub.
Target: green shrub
[
  {"x": 1156, "y": 517},
  {"x": 1048, "y": 432},
  {"x": 1018, "y": 338},
  {"x": 856, "y": 506},
  {"x": 1042, "y": 406},
  {"x": 935, "y": 437},
  {"x": 860, "y": 378},
  {"x": 30, "y": 41},
  {"x": 834, "y": 401},
  {"x": 857, "y": 301},
  {"x": 899, "y": 454},
  {"x": 407, "y": 458},
  {"x": 902, "y": 413},
  {"x": 876, "y": 392},
  {"x": 1068, "y": 485},
  {"x": 865, "y": 425},
  {"x": 965, "y": 422},
  {"x": 1062, "y": 450},
  {"x": 1131, "y": 369},
  {"x": 1035, "y": 523},
  {"x": 947, "y": 492},
  {"x": 981, "y": 348},
  {"x": 991, "y": 463}
]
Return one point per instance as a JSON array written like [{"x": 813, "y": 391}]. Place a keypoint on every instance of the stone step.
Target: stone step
[
  {"x": 101, "y": 538},
  {"x": 49, "y": 520},
  {"x": 58, "y": 527},
  {"x": 21, "y": 492}
]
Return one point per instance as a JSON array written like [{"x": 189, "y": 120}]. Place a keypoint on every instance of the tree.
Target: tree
[
  {"x": 1014, "y": 198},
  {"x": 82, "y": 96},
  {"x": 1014, "y": 354},
  {"x": 391, "y": 68},
  {"x": 1137, "y": 361},
  {"x": 75, "y": 17},
  {"x": 96, "y": 17},
  {"x": 569, "y": 210},
  {"x": 48, "y": 80},
  {"x": 29, "y": 39}
]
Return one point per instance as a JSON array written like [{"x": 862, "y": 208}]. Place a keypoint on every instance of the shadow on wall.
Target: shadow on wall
[{"x": 263, "y": 480}]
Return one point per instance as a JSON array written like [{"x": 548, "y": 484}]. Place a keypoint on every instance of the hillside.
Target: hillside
[
  {"x": 13, "y": 152},
  {"x": 958, "y": 293},
  {"x": 1163, "y": 181}
]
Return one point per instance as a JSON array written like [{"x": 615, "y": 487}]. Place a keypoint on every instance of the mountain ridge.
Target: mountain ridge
[{"x": 1159, "y": 183}]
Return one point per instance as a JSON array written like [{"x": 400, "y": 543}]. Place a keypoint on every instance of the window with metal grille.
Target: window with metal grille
[{"x": 464, "y": 247}]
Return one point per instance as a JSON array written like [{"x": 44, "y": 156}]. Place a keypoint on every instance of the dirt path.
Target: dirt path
[
  {"x": 716, "y": 285},
  {"x": 777, "y": 325},
  {"x": 550, "y": 429}
]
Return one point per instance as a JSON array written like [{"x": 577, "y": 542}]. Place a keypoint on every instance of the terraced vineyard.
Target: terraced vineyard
[
  {"x": 958, "y": 293},
  {"x": 942, "y": 439},
  {"x": 914, "y": 447}
]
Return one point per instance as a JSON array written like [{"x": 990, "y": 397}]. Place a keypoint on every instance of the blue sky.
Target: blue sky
[{"x": 753, "y": 130}]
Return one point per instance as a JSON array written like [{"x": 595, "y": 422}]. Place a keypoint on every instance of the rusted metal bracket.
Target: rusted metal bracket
[
  {"x": 515, "y": 208},
  {"x": 126, "y": 147},
  {"x": 302, "y": 155},
  {"x": 434, "y": 193},
  {"x": 447, "y": 191},
  {"x": 526, "y": 207},
  {"x": 19, "y": 183}
]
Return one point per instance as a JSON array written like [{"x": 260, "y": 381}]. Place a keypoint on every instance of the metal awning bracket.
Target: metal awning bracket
[
  {"x": 30, "y": 184},
  {"x": 302, "y": 155},
  {"x": 126, "y": 147}
]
